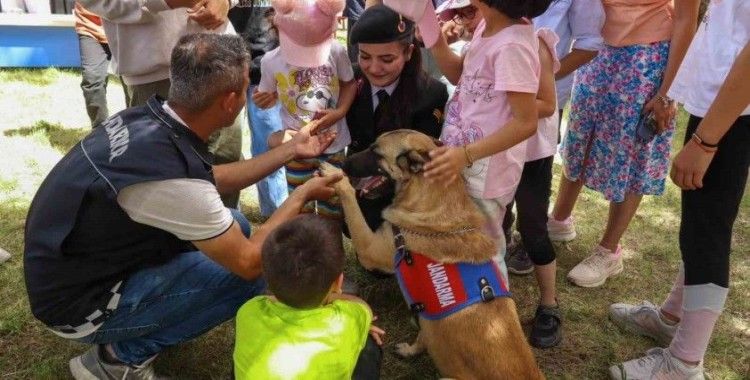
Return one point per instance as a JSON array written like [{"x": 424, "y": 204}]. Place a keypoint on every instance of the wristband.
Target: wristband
[
  {"x": 703, "y": 142},
  {"x": 708, "y": 148}
]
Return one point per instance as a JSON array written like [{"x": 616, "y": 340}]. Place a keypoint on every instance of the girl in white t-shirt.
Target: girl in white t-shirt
[{"x": 493, "y": 108}]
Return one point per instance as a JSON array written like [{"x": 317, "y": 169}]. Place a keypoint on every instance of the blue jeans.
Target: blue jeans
[
  {"x": 272, "y": 190},
  {"x": 172, "y": 303}
]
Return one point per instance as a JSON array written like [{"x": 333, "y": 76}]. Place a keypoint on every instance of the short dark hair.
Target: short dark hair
[
  {"x": 519, "y": 8},
  {"x": 301, "y": 260},
  {"x": 205, "y": 65}
]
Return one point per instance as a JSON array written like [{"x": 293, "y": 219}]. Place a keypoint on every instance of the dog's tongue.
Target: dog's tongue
[{"x": 369, "y": 187}]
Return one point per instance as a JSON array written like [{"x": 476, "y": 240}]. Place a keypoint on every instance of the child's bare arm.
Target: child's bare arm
[
  {"x": 546, "y": 97},
  {"x": 450, "y": 63},
  {"x": 447, "y": 162},
  {"x": 275, "y": 139},
  {"x": 348, "y": 297}
]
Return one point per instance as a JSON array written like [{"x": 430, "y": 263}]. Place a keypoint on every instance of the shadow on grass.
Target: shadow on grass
[{"x": 59, "y": 137}]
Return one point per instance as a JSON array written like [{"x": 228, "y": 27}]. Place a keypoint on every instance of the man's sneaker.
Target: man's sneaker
[
  {"x": 517, "y": 260},
  {"x": 658, "y": 364},
  {"x": 595, "y": 269},
  {"x": 546, "y": 331},
  {"x": 561, "y": 230},
  {"x": 91, "y": 366},
  {"x": 643, "y": 319}
]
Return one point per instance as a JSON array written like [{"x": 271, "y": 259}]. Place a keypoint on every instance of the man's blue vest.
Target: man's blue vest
[{"x": 79, "y": 242}]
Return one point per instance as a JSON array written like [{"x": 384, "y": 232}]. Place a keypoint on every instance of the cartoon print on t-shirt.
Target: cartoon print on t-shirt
[
  {"x": 476, "y": 88},
  {"x": 306, "y": 91},
  {"x": 455, "y": 131},
  {"x": 315, "y": 99}
]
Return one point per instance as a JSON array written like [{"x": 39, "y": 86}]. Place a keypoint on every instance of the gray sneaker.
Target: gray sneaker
[
  {"x": 517, "y": 260},
  {"x": 658, "y": 364},
  {"x": 643, "y": 320},
  {"x": 91, "y": 366}
]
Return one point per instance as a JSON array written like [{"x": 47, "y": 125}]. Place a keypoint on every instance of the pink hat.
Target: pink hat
[
  {"x": 306, "y": 29},
  {"x": 422, "y": 12},
  {"x": 447, "y": 10}
]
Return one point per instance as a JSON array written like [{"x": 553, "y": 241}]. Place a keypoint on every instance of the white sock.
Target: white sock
[{"x": 701, "y": 307}]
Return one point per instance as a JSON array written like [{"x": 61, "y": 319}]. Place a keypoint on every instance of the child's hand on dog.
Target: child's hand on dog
[{"x": 445, "y": 165}]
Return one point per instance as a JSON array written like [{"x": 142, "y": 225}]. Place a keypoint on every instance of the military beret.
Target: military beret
[{"x": 380, "y": 24}]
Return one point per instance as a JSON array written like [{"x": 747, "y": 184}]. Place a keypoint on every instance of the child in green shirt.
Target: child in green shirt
[{"x": 308, "y": 329}]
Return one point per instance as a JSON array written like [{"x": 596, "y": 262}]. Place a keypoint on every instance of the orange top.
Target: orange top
[
  {"x": 634, "y": 22},
  {"x": 89, "y": 24}
]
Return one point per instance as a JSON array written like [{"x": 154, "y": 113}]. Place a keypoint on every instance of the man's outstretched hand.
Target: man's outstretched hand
[
  {"x": 320, "y": 187},
  {"x": 308, "y": 142}
]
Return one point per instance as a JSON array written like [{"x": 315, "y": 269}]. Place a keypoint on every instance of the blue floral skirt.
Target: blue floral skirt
[{"x": 601, "y": 144}]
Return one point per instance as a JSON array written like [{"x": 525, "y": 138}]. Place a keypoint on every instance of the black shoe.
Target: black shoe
[
  {"x": 546, "y": 331},
  {"x": 349, "y": 287},
  {"x": 517, "y": 259}
]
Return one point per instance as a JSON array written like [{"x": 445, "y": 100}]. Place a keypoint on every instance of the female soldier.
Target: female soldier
[{"x": 393, "y": 92}]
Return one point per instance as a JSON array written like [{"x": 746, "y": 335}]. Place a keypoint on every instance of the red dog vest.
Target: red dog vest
[{"x": 436, "y": 290}]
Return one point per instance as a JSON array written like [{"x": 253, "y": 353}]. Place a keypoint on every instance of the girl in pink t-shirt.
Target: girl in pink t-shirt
[{"x": 493, "y": 109}]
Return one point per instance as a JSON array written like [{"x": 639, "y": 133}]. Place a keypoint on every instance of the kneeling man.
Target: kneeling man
[{"x": 128, "y": 245}]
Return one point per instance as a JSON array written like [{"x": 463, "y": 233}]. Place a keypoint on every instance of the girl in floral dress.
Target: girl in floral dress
[{"x": 621, "y": 91}]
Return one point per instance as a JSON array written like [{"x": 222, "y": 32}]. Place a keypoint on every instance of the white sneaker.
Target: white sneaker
[
  {"x": 658, "y": 364},
  {"x": 4, "y": 255},
  {"x": 91, "y": 366},
  {"x": 643, "y": 319},
  {"x": 594, "y": 270},
  {"x": 561, "y": 230}
]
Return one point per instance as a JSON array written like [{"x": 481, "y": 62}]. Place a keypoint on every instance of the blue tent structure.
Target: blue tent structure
[{"x": 38, "y": 40}]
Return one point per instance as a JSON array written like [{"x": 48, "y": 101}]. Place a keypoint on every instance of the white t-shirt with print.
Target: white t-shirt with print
[
  {"x": 305, "y": 91},
  {"x": 721, "y": 36}
]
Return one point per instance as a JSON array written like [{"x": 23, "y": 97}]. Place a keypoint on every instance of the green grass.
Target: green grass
[{"x": 43, "y": 115}]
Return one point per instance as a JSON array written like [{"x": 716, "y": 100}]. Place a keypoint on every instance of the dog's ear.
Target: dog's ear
[{"x": 412, "y": 161}]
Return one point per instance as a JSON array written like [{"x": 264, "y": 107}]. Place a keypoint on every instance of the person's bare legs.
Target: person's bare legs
[
  {"x": 620, "y": 215},
  {"x": 566, "y": 198}
]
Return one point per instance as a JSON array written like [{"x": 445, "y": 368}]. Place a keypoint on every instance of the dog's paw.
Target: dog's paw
[
  {"x": 406, "y": 350},
  {"x": 341, "y": 186},
  {"x": 328, "y": 169}
]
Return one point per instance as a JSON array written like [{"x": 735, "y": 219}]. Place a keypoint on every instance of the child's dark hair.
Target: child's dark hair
[
  {"x": 519, "y": 8},
  {"x": 301, "y": 259}
]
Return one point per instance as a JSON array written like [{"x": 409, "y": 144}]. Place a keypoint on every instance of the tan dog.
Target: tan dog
[{"x": 482, "y": 341}]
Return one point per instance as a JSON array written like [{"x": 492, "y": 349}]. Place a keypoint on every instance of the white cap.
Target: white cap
[{"x": 446, "y": 10}]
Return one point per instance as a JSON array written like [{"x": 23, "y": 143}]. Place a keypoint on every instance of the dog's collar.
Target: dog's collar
[{"x": 459, "y": 231}]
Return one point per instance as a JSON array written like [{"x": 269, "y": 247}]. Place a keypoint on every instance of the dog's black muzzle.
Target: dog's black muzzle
[{"x": 363, "y": 164}]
